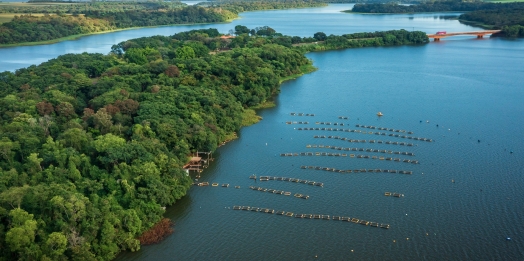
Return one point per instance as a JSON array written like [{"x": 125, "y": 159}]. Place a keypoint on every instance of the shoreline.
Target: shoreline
[{"x": 351, "y": 12}]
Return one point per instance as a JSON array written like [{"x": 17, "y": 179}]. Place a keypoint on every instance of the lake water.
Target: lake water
[
  {"x": 300, "y": 22},
  {"x": 462, "y": 201}
]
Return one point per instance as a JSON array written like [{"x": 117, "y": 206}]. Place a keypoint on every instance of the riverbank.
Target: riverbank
[{"x": 250, "y": 117}]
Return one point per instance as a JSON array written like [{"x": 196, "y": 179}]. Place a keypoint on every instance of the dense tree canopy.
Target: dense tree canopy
[
  {"x": 92, "y": 146},
  {"x": 511, "y": 21}
]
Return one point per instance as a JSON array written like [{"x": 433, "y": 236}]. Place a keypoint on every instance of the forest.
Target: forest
[
  {"x": 92, "y": 146},
  {"x": 511, "y": 21},
  {"x": 434, "y": 6}
]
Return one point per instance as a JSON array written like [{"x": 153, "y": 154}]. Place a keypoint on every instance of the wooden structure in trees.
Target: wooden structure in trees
[{"x": 198, "y": 163}]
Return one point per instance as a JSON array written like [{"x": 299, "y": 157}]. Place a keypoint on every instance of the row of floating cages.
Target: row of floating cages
[
  {"x": 350, "y": 155},
  {"x": 343, "y": 117},
  {"x": 357, "y": 170},
  {"x": 312, "y": 216},
  {"x": 303, "y": 181},
  {"x": 382, "y": 128},
  {"x": 332, "y": 129},
  {"x": 394, "y": 194},
  {"x": 370, "y": 132},
  {"x": 362, "y": 222},
  {"x": 254, "y": 209},
  {"x": 301, "y": 114},
  {"x": 203, "y": 184},
  {"x": 297, "y": 122},
  {"x": 330, "y": 123},
  {"x": 276, "y": 191},
  {"x": 361, "y": 149},
  {"x": 364, "y": 141}
]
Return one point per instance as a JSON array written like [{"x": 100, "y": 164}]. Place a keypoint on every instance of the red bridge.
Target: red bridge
[{"x": 480, "y": 34}]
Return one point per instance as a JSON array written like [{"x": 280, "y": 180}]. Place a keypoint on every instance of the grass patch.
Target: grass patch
[
  {"x": 250, "y": 117},
  {"x": 479, "y": 24},
  {"x": 303, "y": 70},
  {"x": 264, "y": 105},
  {"x": 230, "y": 136},
  {"x": 7, "y": 17}
]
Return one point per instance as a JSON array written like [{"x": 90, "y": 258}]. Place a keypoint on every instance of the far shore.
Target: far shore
[{"x": 77, "y": 36}]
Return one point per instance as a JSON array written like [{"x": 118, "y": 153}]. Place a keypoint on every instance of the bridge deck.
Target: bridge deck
[{"x": 479, "y": 34}]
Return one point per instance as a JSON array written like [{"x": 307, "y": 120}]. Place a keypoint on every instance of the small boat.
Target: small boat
[{"x": 380, "y": 114}]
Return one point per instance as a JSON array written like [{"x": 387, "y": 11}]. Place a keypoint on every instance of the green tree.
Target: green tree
[
  {"x": 320, "y": 36},
  {"x": 56, "y": 244},
  {"x": 185, "y": 53},
  {"x": 21, "y": 235}
]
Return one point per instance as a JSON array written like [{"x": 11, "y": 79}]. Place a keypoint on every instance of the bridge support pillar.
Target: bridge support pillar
[
  {"x": 480, "y": 36},
  {"x": 436, "y": 39}
]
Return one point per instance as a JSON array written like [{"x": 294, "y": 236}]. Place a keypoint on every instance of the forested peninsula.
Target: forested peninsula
[
  {"x": 509, "y": 17},
  {"x": 434, "y": 6},
  {"x": 510, "y": 21},
  {"x": 92, "y": 146},
  {"x": 59, "y": 21}
]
